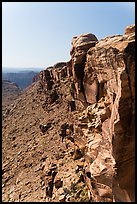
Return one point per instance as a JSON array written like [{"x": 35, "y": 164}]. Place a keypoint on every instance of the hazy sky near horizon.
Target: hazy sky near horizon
[{"x": 39, "y": 34}]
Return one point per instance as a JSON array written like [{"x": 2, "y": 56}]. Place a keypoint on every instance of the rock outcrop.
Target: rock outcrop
[
  {"x": 86, "y": 152},
  {"x": 109, "y": 85},
  {"x": 53, "y": 74},
  {"x": 80, "y": 46},
  {"x": 103, "y": 74}
]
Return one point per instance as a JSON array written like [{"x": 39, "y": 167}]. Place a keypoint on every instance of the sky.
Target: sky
[{"x": 39, "y": 34}]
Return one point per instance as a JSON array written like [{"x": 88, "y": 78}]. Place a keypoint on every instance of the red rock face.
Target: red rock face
[
  {"x": 80, "y": 46},
  {"x": 109, "y": 83},
  {"x": 103, "y": 74},
  {"x": 51, "y": 75}
]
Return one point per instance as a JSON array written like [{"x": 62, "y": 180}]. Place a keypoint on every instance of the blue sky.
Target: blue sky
[{"x": 39, "y": 34}]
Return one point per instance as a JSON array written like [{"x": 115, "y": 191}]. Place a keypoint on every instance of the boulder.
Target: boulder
[
  {"x": 58, "y": 183},
  {"x": 62, "y": 198},
  {"x": 130, "y": 29},
  {"x": 44, "y": 128}
]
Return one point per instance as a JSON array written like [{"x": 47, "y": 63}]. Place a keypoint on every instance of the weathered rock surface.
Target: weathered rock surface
[
  {"x": 80, "y": 46},
  {"x": 110, "y": 65},
  {"x": 51, "y": 153}
]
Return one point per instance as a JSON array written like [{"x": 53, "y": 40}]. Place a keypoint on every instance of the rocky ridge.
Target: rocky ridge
[{"x": 77, "y": 139}]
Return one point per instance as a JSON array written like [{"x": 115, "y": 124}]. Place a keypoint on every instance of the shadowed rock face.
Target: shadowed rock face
[
  {"x": 124, "y": 139},
  {"x": 87, "y": 154}
]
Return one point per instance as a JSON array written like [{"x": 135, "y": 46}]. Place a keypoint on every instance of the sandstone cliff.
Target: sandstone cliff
[
  {"x": 78, "y": 143},
  {"x": 109, "y": 86}
]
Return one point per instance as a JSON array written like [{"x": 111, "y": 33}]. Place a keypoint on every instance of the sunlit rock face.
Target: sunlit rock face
[
  {"x": 80, "y": 46},
  {"x": 109, "y": 86},
  {"x": 103, "y": 74}
]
